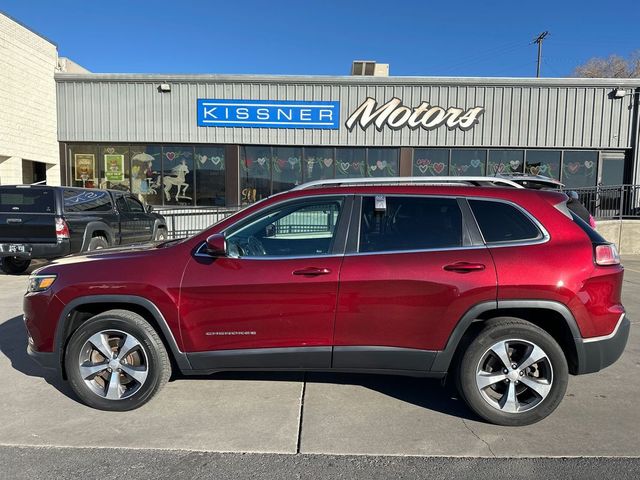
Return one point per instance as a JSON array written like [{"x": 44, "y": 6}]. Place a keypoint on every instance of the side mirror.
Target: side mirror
[
  {"x": 149, "y": 208},
  {"x": 216, "y": 245}
]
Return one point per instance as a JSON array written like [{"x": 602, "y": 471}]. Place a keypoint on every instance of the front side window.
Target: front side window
[
  {"x": 410, "y": 223},
  {"x": 306, "y": 229},
  {"x": 134, "y": 205},
  {"x": 500, "y": 222}
]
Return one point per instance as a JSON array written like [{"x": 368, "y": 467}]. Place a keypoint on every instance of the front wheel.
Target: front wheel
[
  {"x": 15, "y": 265},
  {"x": 116, "y": 361},
  {"x": 513, "y": 373}
]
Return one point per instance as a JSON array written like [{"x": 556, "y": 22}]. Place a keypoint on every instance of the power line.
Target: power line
[{"x": 539, "y": 41}]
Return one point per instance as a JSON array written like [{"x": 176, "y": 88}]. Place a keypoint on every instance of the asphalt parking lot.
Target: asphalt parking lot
[{"x": 316, "y": 413}]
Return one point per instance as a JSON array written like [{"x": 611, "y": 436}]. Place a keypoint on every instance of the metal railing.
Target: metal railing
[
  {"x": 187, "y": 221},
  {"x": 611, "y": 201}
]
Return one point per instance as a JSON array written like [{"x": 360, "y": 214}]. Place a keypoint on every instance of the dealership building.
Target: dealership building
[{"x": 221, "y": 140}]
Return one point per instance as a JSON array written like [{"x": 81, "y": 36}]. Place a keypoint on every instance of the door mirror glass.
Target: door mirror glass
[
  {"x": 149, "y": 208},
  {"x": 216, "y": 245}
]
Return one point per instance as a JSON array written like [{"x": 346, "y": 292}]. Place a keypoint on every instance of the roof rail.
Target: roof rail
[{"x": 475, "y": 181}]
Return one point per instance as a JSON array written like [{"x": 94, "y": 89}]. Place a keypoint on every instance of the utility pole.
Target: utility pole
[{"x": 539, "y": 40}]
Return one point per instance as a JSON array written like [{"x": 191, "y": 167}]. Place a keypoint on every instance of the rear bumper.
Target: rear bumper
[
  {"x": 48, "y": 360},
  {"x": 37, "y": 250},
  {"x": 597, "y": 353}
]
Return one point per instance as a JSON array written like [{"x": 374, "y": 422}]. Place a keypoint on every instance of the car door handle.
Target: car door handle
[
  {"x": 464, "y": 267},
  {"x": 312, "y": 271}
]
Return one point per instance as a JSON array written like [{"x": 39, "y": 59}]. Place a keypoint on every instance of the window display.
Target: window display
[
  {"x": 544, "y": 162},
  {"x": 210, "y": 176},
  {"x": 83, "y": 166},
  {"x": 430, "y": 162},
  {"x": 146, "y": 173},
  {"x": 579, "y": 168},
  {"x": 177, "y": 177},
  {"x": 382, "y": 162},
  {"x": 318, "y": 164},
  {"x": 116, "y": 166},
  {"x": 286, "y": 168},
  {"x": 255, "y": 174},
  {"x": 468, "y": 162},
  {"x": 350, "y": 162},
  {"x": 505, "y": 162}
]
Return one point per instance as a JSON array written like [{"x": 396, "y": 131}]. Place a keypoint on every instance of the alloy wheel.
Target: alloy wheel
[
  {"x": 113, "y": 364},
  {"x": 514, "y": 376}
]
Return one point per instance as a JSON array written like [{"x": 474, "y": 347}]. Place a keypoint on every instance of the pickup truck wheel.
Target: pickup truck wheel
[
  {"x": 161, "y": 235},
  {"x": 97, "y": 243},
  {"x": 116, "y": 361},
  {"x": 513, "y": 373},
  {"x": 15, "y": 265}
]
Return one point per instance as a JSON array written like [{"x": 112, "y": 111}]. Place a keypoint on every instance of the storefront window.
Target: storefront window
[
  {"x": 210, "y": 176},
  {"x": 544, "y": 162},
  {"x": 84, "y": 167},
  {"x": 255, "y": 174},
  {"x": 579, "y": 168},
  {"x": 350, "y": 162},
  {"x": 177, "y": 175},
  {"x": 430, "y": 162},
  {"x": 318, "y": 164},
  {"x": 146, "y": 173},
  {"x": 382, "y": 162},
  {"x": 467, "y": 162},
  {"x": 115, "y": 167},
  {"x": 286, "y": 167},
  {"x": 505, "y": 162}
]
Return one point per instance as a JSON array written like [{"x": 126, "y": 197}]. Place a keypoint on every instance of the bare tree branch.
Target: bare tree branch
[{"x": 613, "y": 66}]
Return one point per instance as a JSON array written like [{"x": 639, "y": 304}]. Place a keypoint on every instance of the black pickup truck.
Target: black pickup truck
[{"x": 42, "y": 222}]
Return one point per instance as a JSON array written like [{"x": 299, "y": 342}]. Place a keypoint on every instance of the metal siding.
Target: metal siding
[{"x": 516, "y": 115}]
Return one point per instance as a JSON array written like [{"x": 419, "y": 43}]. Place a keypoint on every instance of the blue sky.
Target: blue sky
[{"x": 445, "y": 38}]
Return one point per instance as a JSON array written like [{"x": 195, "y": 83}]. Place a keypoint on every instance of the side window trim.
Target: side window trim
[{"x": 542, "y": 238}]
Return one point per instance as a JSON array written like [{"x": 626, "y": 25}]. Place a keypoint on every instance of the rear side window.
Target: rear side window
[
  {"x": 500, "y": 222},
  {"x": 594, "y": 236},
  {"x": 86, "y": 201},
  {"x": 26, "y": 200},
  {"x": 410, "y": 223}
]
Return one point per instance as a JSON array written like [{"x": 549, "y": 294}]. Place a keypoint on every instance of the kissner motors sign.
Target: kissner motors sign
[
  {"x": 268, "y": 114},
  {"x": 395, "y": 115}
]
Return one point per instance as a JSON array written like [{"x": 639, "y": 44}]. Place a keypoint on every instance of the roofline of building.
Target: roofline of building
[
  {"x": 346, "y": 79},
  {"x": 2, "y": 12}
]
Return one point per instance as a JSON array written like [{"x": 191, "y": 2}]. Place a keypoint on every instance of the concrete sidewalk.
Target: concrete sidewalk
[{"x": 316, "y": 413}]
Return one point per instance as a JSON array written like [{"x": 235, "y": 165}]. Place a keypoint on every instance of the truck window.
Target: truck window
[
  {"x": 79, "y": 200},
  {"x": 26, "y": 200}
]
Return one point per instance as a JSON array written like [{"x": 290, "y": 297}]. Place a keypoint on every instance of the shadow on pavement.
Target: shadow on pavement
[
  {"x": 423, "y": 392},
  {"x": 13, "y": 344}
]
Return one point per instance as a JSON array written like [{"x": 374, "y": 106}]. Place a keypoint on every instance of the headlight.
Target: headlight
[{"x": 40, "y": 283}]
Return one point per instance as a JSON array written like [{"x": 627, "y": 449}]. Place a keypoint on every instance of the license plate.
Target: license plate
[{"x": 16, "y": 248}]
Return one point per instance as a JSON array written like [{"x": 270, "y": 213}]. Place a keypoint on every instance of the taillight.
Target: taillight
[
  {"x": 592, "y": 221},
  {"x": 62, "y": 229},
  {"x": 607, "y": 254}
]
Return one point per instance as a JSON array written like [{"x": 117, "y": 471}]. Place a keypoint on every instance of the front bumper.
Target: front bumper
[
  {"x": 48, "y": 360},
  {"x": 597, "y": 353}
]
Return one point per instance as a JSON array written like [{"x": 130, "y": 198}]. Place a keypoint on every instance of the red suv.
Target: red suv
[{"x": 503, "y": 288}]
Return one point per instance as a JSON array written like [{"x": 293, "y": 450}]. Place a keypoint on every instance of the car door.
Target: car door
[
  {"x": 140, "y": 224},
  {"x": 271, "y": 301},
  {"x": 411, "y": 270}
]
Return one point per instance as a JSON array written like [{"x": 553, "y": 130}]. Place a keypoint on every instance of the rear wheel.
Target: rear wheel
[
  {"x": 116, "y": 361},
  {"x": 15, "y": 265},
  {"x": 98, "y": 243},
  {"x": 513, "y": 373}
]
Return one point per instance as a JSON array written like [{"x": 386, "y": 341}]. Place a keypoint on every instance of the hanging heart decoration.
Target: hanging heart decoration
[
  {"x": 475, "y": 163},
  {"x": 170, "y": 155},
  {"x": 328, "y": 162},
  {"x": 423, "y": 168},
  {"x": 110, "y": 150},
  {"x": 438, "y": 167}
]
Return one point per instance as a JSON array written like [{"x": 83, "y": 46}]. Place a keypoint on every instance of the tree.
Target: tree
[{"x": 614, "y": 66}]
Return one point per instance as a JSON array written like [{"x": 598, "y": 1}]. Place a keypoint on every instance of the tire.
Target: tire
[
  {"x": 538, "y": 388},
  {"x": 142, "y": 372},
  {"x": 160, "y": 235},
  {"x": 15, "y": 265},
  {"x": 97, "y": 243}
]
